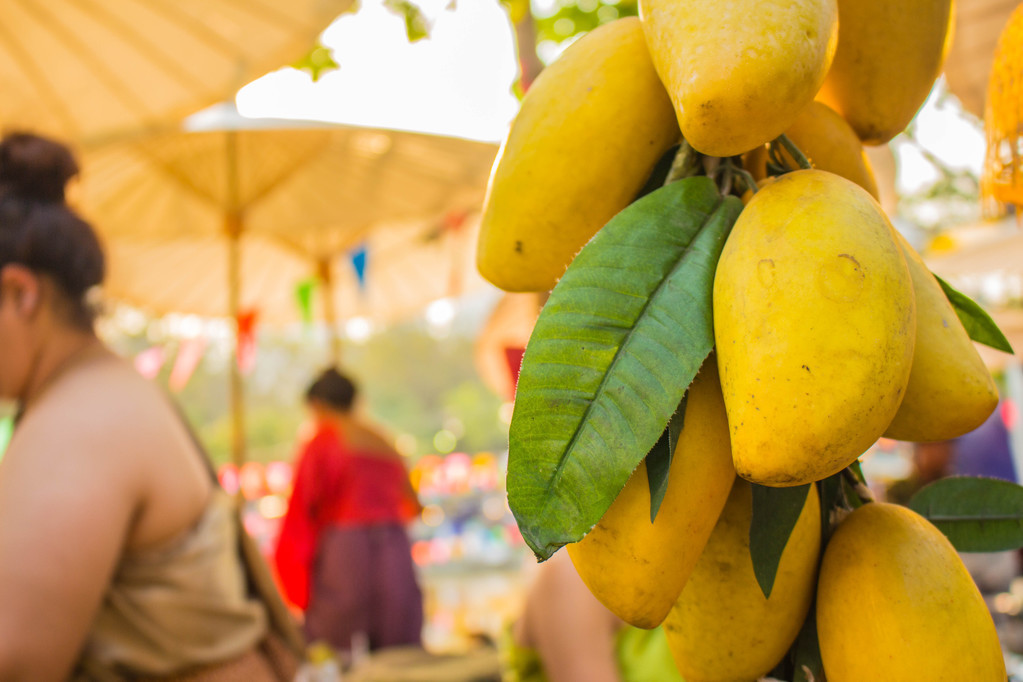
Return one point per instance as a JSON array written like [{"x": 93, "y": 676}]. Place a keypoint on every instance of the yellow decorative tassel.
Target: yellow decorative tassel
[{"x": 1002, "y": 181}]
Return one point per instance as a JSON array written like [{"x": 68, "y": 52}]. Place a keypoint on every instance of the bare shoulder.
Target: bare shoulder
[
  {"x": 110, "y": 429},
  {"x": 104, "y": 411},
  {"x": 107, "y": 395},
  {"x": 68, "y": 472}
]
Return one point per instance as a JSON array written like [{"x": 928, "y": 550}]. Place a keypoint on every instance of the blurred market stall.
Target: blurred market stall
[
  {"x": 176, "y": 210},
  {"x": 465, "y": 544},
  {"x": 280, "y": 198}
]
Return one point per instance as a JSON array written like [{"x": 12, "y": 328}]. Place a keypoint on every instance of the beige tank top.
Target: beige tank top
[{"x": 182, "y": 605}]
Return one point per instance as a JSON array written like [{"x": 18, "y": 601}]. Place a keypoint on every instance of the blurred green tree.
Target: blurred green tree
[
  {"x": 537, "y": 26},
  {"x": 555, "y": 25},
  {"x": 414, "y": 383}
]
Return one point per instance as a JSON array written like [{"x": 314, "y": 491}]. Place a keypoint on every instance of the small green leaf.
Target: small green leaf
[
  {"x": 854, "y": 485},
  {"x": 417, "y": 26},
  {"x": 617, "y": 344},
  {"x": 851, "y": 497},
  {"x": 978, "y": 324},
  {"x": 775, "y": 512},
  {"x": 318, "y": 61},
  {"x": 976, "y": 514},
  {"x": 806, "y": 652},
  {"x": 658, "y": 461},
  {"x": 830, "y": 490},
  {"x": 857, "y": 470}
]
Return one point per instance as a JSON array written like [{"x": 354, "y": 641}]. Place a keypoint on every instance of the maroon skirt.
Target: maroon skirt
[{"x": 364, "y": 586}]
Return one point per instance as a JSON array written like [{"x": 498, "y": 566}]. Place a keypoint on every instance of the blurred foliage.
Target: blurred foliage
[
  {"x": 318, "y": 61},
  {"x": 563, "y": 21},
  {"x": 417, "y": 26},
  {"x": 517, "y": 9},
  {"x": 416, "y": 384},
  {"x": 6, "y": 431},
  {"x": 412, "y": 383},
  {"x": 573, "y": 17},
  {"x": 953, "y": 198}
]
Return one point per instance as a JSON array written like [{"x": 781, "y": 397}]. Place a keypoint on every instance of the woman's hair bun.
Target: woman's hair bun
[{"x": 34, "y": 167}]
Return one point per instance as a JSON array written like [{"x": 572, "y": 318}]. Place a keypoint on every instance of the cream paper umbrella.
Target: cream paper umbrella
[
  {"x": 92, "y": 70},
  {"x": 408, "y": 265},
  {"x": 218, "y": 220}
]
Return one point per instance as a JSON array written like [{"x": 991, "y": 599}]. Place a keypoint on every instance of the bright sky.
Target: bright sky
[
  {"x": 458, "y": 82},
  {"x": 947, "y": 132}
]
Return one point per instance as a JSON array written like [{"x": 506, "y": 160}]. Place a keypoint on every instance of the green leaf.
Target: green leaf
[
  {"x": 976, "y": 514},
  {"x": 775, "y": 512},
  {"x": 806, "y": 652},
  {"x": 830, "y": 490},
  {"x": 851, "y": 496},
  {"x": 610, "y": 357},
  {"x": 858, "y": 492},
  {"x": 979, "y": 325},
  {"x": 658, "y": 461}
]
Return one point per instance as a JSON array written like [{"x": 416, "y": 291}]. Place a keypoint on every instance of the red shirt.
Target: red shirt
[
  {"x": 338, "y": 485},
  {"x": 335, "y": 485}
]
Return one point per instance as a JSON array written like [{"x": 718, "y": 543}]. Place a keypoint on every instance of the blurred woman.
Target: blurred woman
[
  {"x": 343, "y": 554},
  {"x": 119, "y": 556}
]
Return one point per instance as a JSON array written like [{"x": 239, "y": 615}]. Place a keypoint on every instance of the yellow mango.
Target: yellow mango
[
  {"x": 889, "y": 55},
  {"x": 950, "y": 390},
  {"x": 590, "y": 131},
  {"x": 814, "y": 321},
  {"x": 828, "y": 142},
  {"x": 722, "y": 629},
  {"x": 739, "y": 72},
  {"x": 747, "y": 196},
  {"x": 637, "y": 568},
  {"x": 895, "y": 603}
]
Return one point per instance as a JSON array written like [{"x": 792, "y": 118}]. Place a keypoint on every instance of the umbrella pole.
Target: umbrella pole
[
  {"x": 233, "y": 225},
  {"x": 329, "y": 312},
  {"x": 233, "y": 229}
]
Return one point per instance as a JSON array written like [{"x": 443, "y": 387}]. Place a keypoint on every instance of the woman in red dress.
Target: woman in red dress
[{"x": 344, "y": 554}]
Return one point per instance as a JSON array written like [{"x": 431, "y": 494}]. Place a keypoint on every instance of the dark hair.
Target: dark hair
[
  {"x": 38, "y": 229},
  {"x": 332, "y": 388}
]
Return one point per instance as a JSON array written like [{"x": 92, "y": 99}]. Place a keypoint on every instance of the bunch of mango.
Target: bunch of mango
[{"x": 829, "y": 330}]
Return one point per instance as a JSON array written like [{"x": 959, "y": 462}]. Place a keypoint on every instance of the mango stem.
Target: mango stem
[
  {"x": 794, "y": 152},
  {"x": 746, "y": 177},
  {"x": 685, "y": 164}
]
